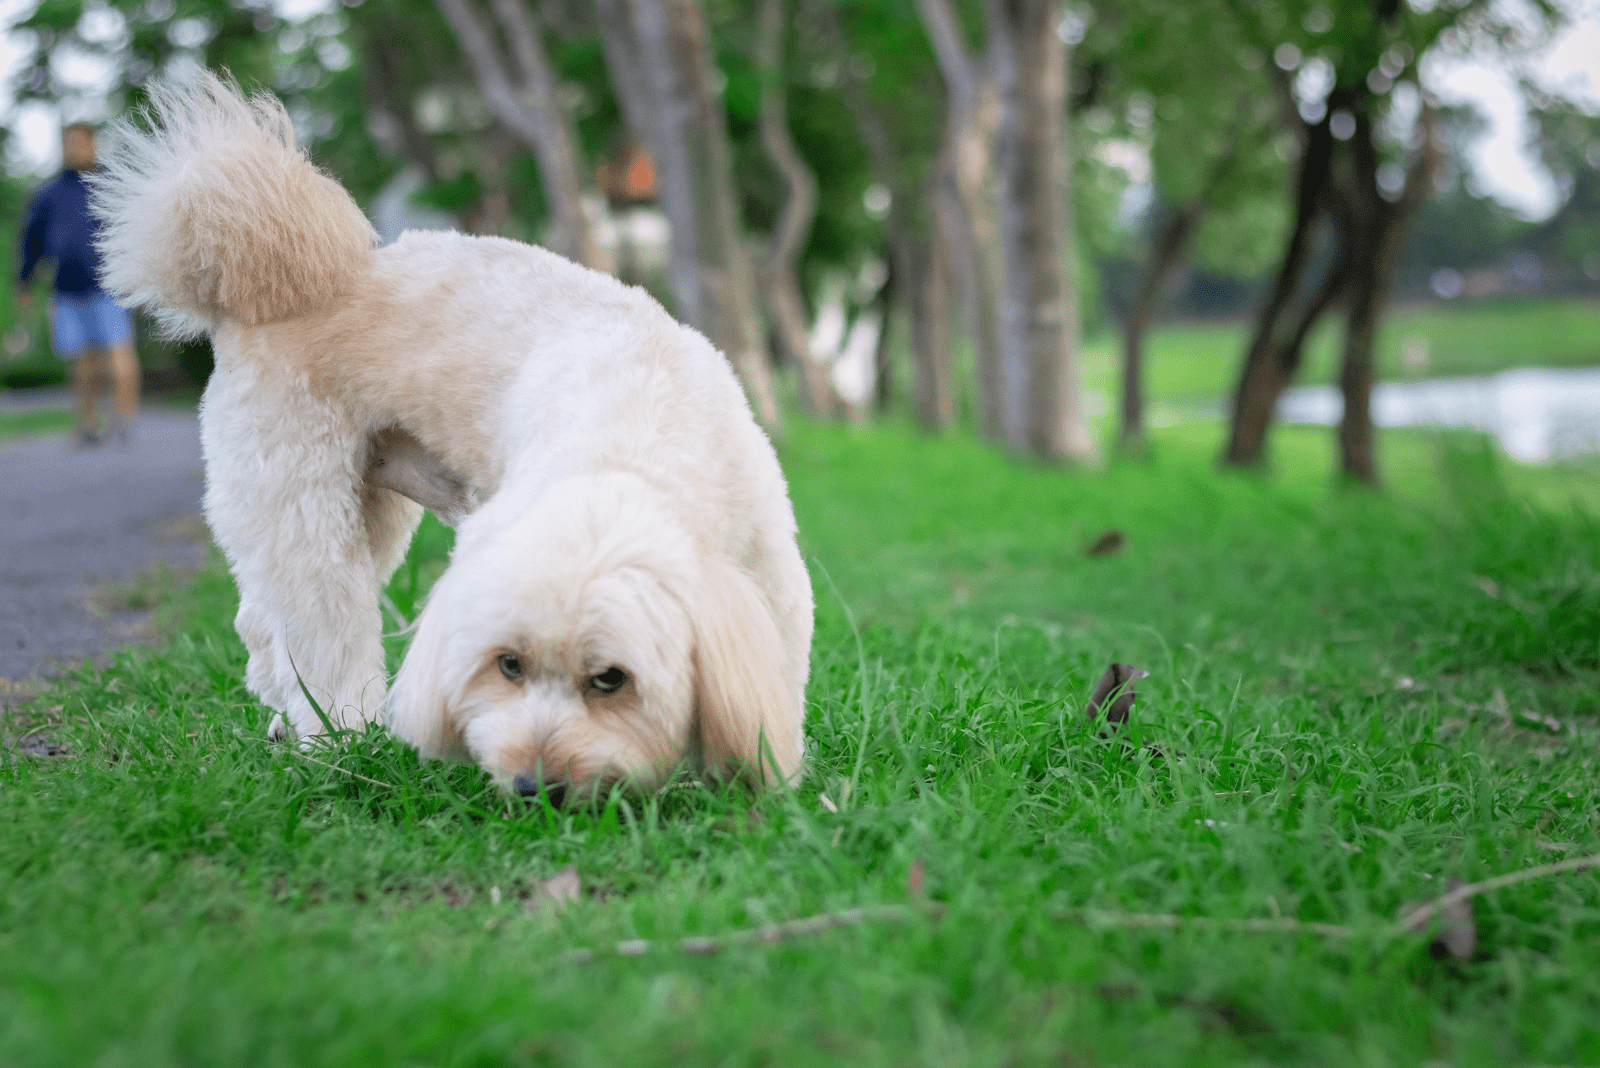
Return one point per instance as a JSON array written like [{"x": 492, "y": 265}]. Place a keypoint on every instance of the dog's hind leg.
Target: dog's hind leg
[
  {"x": 399, "y": 462},
  {"x": 391, "y": 519},
  {"x": 284, "y": 498}
]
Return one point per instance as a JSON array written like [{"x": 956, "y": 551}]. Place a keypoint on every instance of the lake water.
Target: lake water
[{"x": 1536, "y": 414}]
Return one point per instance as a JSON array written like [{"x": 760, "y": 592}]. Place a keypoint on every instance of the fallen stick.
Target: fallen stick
[
  {"x": 771, "y": 933},
  {"x": 1097, "y": 918},
  {"x": 766, "y": 934},
  {"x": 1419, "y": 916}
]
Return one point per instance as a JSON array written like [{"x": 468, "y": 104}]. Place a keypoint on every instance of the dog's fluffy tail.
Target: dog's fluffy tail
[{"x": 209, "y": 212}]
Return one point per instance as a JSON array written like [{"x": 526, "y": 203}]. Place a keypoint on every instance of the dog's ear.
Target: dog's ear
[
  {"x": 419, "y": 703},
  {"x": 746, "y": 716}
]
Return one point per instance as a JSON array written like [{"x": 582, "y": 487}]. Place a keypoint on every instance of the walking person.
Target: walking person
[{"x": 87, "y": 328}]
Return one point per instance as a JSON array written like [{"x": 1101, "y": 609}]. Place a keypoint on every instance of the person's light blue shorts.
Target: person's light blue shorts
[{"x": 78, "y": 323}]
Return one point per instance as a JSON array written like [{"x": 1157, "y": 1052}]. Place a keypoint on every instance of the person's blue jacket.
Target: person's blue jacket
[{"x": 59, "y": 227}]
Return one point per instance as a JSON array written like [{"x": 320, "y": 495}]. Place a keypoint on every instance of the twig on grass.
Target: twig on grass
[
  {"x": 771, "y": 933},
  {"x": 1097, "y": 918},
  {"x": 766, "y": 934},
  {"x": 1417, "y": 918}
]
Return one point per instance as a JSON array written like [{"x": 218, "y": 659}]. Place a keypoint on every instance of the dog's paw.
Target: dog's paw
[{"x": 278, "y": 729}]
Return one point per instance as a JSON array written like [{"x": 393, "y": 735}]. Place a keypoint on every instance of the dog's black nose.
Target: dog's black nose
[{"x": 528, "y": 786}]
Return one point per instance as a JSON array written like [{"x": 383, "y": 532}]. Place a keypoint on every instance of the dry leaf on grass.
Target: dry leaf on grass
[
  {"x": 1107, "y": 544},
  {"x": 1455, "y": 934},
  {"x": 553, "y": 894},
  {"x": 914, "y": 878},
  {"x": 1117, "y": 686},
  {"x": 37, "y": 745}
]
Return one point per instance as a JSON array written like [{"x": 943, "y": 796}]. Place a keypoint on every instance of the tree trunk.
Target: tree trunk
[
  {"x": 532, "y": 113},
  {"x": 1273, "y": 355},
  {"x": 1042, "y": 409},
  {"x": 625, "y": 68},
  {"x": 883, "y": 352},
  {"x": 711, "y": 273},
  {"x": 917, "y": 271},
  {"x": 963, "y": 168},
  {"x": 782, "y": 288},
  {"x": 930, "y": 334},
  {"x": 385, "y": 94},
  {"x": 1166, "y": 253},
  {"x": 1375, "y": 257},
  {"x": 1362, "y": 309}
]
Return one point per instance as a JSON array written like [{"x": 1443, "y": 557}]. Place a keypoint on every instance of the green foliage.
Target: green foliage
[
  {"x": 462, "y": 192},
  {"x": 39, "y": 371},
  {"x": 178, "y": 890},
  {"x": 1179, "y": 81},
  {"x": 1568, "y": 141},
  {"x": 134, "y": 39}
]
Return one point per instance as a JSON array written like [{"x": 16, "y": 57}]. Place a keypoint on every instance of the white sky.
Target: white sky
[{"x": 1502, "y": 164}]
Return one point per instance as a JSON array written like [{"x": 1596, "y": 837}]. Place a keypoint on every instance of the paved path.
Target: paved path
[{"x": 72, "y": 520}]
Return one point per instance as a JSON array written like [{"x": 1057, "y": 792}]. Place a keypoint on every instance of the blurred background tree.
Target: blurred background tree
[{"x": 852, "y": 215}]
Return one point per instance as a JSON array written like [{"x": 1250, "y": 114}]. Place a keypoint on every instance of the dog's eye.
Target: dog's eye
[
  {"x": 610, "y": 680},
  {"x": 510, "y": 667}
]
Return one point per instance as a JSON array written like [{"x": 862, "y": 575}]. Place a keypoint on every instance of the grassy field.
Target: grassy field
[
  {"x": 25, "y": 424},
  {"x": 1352, "y": 698},
  {"x": 1200, "y": 360}
]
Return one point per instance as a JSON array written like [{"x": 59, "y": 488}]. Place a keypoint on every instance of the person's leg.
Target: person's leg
[
  {"x": 114, "y": 329},
  {"x": 88, "y": 379},
  {"x": 71, "y": 330},
  {"x": 125, "y": 376}
]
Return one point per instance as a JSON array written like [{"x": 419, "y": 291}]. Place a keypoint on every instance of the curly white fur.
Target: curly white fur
[
  {"x": 634, "y": 516},
  {"x": 212, "y": 213}
]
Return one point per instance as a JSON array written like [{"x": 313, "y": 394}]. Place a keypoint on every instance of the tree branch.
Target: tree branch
[
  {"x": 944, "y": 33},
  {"x": 527, "y": 49},
  {"x": 488, "y": 68},
  {"x": 794, "y": 222},
  {"x": 626, "y": 68}
]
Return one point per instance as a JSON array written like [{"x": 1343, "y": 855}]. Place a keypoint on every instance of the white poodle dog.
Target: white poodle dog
[{"x": 627, "y": 597}]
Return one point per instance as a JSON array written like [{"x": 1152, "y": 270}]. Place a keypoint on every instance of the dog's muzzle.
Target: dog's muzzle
[{"x": 531, "y": 786}]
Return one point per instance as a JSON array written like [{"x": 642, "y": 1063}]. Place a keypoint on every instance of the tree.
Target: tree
[
  {"x": 1207, "y": 125},
  {"x": 132, "y": 40},
  {"x": 1568, "y": 142},
  {"x": 1041, "y": 406},
  {"x": 659, "y": 55},
  {"x": 965, "y": 164},
  {"x": 881, "y": 64},
  {"x": 530, "y": 111},
  {"x": 1346, "y": 76},
  {"x": 780, "y": 282}
]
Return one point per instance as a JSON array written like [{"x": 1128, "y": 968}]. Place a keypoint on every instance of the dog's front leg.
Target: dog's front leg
[{"x": 284, "y": 500}]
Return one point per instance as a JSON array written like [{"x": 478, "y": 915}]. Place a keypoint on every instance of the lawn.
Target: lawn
[
  {"x": 1353, "y": 697},
  {"x": 29, "y": 423},
  {"x": 1200, "y": 360}
]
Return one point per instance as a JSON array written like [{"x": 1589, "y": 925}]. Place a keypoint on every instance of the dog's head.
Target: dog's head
[{"x": 589, "y": 640}]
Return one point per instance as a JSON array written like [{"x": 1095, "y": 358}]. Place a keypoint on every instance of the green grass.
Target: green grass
[
  {"x": 27, "y": 424},
  {"x": 1328, "y": 674},
  {"x": 1198, "y": 360}
]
